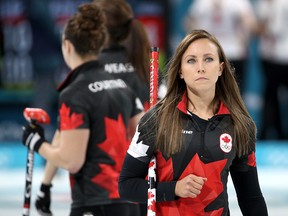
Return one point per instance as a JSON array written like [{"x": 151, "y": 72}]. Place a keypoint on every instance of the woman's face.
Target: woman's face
[{"x": 201, "y": 67}]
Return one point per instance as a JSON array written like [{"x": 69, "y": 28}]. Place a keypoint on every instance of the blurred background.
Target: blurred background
[{"x": 31, "y": 67}]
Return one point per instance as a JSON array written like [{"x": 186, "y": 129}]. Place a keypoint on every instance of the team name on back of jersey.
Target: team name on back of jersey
[
  {"x": 106, "y": 85},
  {"x": 119, "y": 68}
]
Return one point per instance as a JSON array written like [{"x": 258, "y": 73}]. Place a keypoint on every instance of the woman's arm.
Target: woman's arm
[
  {"x": 250, "y": 198},
  {"x": 133, "y": 124},
  {"x": 50, "y": 169},
  {"x": 134, "y": 187},
  {"x": 71, "y": 152}
]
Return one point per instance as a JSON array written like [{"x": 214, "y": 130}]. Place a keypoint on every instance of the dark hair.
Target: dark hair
[
  {"x": 86, "y": 30},
  {"x": 169, "y": 138},
  {"x": 124, "y": 29}
]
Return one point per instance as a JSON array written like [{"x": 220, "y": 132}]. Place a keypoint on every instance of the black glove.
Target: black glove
[
  {"x": 43, "y": 200},
  {"x": 33, "y": 136}
]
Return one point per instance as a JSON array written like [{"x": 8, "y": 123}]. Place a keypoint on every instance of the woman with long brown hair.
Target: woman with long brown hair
[
  {"x": 199, "y": 132},
  {"x": 126, "y": 53}
]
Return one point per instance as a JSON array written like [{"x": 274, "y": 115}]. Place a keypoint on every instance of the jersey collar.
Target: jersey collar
[
  {"x": 182, "y": 106},
  {"x": 74, "y": 73}
]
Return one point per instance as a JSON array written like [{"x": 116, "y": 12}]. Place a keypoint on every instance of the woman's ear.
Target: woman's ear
[
  {"x": 67, "y": 49},
  {"x": 64, "y": 47},
  {"x": 221, "y": 69},
  {"x": 69, "y": 46},
  {"x": 180, "y": 74}
]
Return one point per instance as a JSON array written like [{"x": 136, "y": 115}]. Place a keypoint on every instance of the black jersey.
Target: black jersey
[
  {"x": 91, "y": 98},
  {"x": 209, "y": 150},
  {"x": 115, "y": 60}
]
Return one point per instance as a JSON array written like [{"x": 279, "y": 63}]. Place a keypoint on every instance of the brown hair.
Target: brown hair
[
  {"x": 169, "y": 136},
  {"x": 86, "y": 30},
  {"x": 124, "y": 28}
]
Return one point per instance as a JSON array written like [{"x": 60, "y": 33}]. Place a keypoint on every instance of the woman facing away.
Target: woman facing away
[
  {"x": 96, "y": 113},
  {"x": 126, "y": 56},
  {"x": 199, "y": 133}
]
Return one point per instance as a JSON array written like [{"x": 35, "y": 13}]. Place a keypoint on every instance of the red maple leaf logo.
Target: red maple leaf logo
[
  {"x": 67, "y": 121},
  {"x": 226, "y": 139},
  {"x": 115, "y": 145},
  {"x": 212, "y": 188}
]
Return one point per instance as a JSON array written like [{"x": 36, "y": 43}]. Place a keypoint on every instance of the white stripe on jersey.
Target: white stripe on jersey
[{"x": 139, "y": 149}]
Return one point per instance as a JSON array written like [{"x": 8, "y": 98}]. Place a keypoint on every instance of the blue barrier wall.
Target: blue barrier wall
[{"x": 268, "y": 153}]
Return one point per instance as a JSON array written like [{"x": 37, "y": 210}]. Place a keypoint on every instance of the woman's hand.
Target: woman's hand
[{"x": 189, "y": 186}]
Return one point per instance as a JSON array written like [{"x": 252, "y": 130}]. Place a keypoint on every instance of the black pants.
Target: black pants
[
  {"x": 143, "y": 209},
  {"x": 120, "y": 209}
]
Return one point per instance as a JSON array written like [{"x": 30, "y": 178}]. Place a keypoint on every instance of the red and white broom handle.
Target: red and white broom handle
[
  {"x": 32, "y": 115},
  {"x": 154, "y": 63}
]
